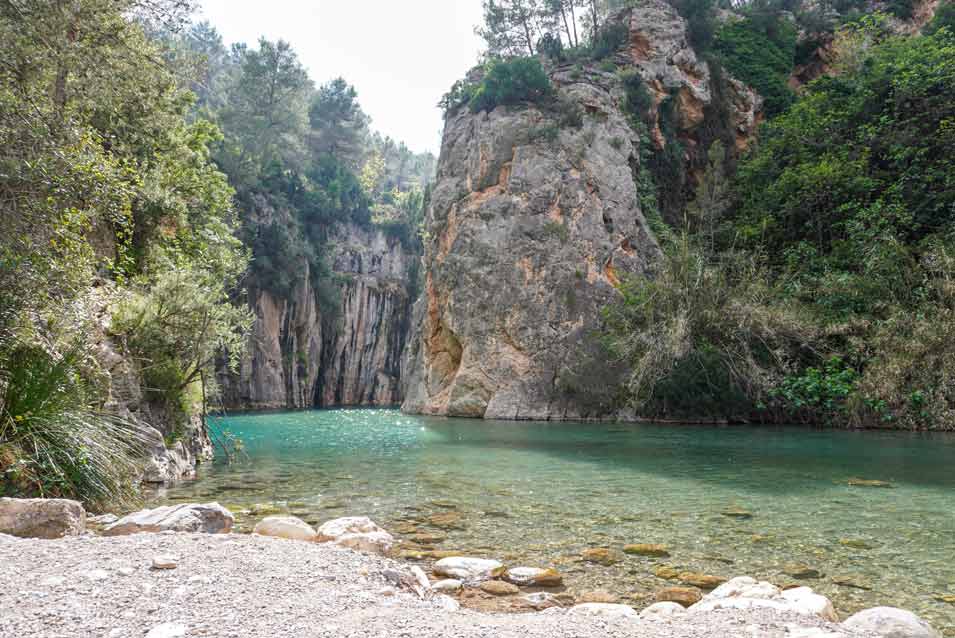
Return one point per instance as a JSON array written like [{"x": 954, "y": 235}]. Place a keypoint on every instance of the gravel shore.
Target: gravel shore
[{"x": 242, "y": 586}]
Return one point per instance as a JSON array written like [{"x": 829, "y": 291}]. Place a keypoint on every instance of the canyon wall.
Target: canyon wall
[
  {"x": 340, "y": 352},
  {"x": 535, "y": 221}
]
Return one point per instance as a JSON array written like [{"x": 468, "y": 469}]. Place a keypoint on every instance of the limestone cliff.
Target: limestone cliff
[
  {"x": 342, "y": 352},
  {"x": 534, "y": 222}
]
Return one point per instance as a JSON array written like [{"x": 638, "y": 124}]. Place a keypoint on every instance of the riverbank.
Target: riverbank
[{"x": 232, "y": 585}]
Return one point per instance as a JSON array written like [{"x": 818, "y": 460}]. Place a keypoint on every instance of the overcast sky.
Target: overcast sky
[{"x": 400, "y": 56}]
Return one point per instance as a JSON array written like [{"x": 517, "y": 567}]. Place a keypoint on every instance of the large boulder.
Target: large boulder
[
  {"x": 468, "y": 569},
  {"x": 357, "y": 532},
  {"x": 41, "y": 518},
  {"x": 747, "y": 593},
  {"x": 288, "y": 527},
  {"x": 210, "y": 518},
  {"x": 889, "y": 622}
]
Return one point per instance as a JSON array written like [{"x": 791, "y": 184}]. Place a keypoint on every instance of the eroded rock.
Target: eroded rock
[
  {"x": 210, "y": 518},
  {"x": 288, "y": 527},
  {"x": 534, "y": 577},
  {"x": 357, "y": 532},
  {"x": 468, "y": 569},
  {"x": 41, "y": 518}
]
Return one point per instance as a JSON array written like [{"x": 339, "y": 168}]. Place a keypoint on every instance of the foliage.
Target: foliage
[
  {"x": 511, "y": 82},
  {"x": 706, "y": 338},
  {"x": 700, "y": 16},
  {"x": 54, "y": 441},
  {"x": 760, "y": 55},
  {"x": 609, "y": 40},
  {"x": 944, "y": 19},
  {"x": 817, "y": 393}
]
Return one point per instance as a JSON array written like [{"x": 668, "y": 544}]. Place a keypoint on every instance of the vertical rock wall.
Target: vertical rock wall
[{"x": 302, "y": 355}]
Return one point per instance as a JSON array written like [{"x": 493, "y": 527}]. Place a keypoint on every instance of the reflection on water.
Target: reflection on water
[{"x": 539, "y": 493}]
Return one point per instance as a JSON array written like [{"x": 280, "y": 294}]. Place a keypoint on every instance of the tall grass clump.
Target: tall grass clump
[{"x": 53, "y": 442}]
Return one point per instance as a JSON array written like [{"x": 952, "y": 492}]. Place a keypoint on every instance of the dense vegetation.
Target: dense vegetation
[
  {"x": 112, "y": 205},
  {"x": 148, "y": 175},
  {"x": 825, "y": 292}
]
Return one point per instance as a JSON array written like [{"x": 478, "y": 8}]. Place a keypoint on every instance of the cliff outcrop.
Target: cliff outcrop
[
  {"x": 536, "y": 219},
  {"x": 304, "y": 352}
]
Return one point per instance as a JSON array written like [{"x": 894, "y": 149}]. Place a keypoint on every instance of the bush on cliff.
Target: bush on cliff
[{"x": 511, "y": 82}]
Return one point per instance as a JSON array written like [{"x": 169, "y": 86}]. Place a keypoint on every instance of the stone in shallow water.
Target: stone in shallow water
[
  {"x": 703, "y": 581},
  {"x": 210, "y": 518},
  {"x": 41, "y": 518},
  {"x": 534, "y": 576},
  {"x": 446, "y": 520},
  {"x": 855, "y": 543},
  {"x": 861, "y": 482},
  {"x": 801, "y": 571},
  {"x": 737, "y": 512},
  {"x": 666, "y": 572},
  {"x": 499, "y": 588},
  {"x": 647, "y": 549},
  {"x": 465, "y": 568},
  {"x": 890, "y": 622},
  {"x": 685, "y": 596},
  {"x": 946, "y": 598},
  {"x": 854, "y": 582},
  {"x": 601, "y": 555},
  {"x": 596, "y": 597},
  {"x": 287, "y": 527}
]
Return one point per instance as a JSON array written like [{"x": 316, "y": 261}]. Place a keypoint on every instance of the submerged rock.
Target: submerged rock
[
  {"x": 596, "y": 597},
  {"x": 601, "y": 555},
  {"x": 645, "y": 549},
  {"x": 800, "y": 571},
  {"x": 737, "y": 512},
  {"x": 210, "y": 518},
  {"x": 855, "y": 543},
  {"x": 41, "y": 518},
  {"x": 534, "y": 576},
  {"x": 860, "y": 482},
  {"x": 464, "y": 568},
  {"x": 499, "y": 588},
  {"x": 889, "y": 622},
  {"x": 288, "y": 527},
  {"x": 446, "y": 520},
  {"x": 357, "y": 532},
  {"x": 666, "y": 572},
  {"x": 703, "y": 581},
  {"x": 684, "y": 596}
]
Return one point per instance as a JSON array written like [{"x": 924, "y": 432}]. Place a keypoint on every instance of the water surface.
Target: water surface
[{"x": 540, "y": 493}]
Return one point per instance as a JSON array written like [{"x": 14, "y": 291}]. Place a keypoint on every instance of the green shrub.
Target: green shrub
[
  {"x": 944, "y": 19},
  {"x": 817, "y": 394},
  {"x": 53, "y": 442},
  {"x": 609, "y": 40},
  {"x": 510, "y": 82},
  {"x": 761, "y": 61},
  {"x": 557, "y": 230}
]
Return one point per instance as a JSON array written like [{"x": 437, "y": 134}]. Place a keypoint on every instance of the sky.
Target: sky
[{"x": 401, "y": 57}]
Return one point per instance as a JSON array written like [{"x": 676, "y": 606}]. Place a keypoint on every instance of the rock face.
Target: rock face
[
  {"x": 534, "y": 223},
  {"x": 41, "y": 518},
  {"x": 210, "y": 518},
  {"x": 305, "y": 353},
  {"x": 528, "y": 239}
]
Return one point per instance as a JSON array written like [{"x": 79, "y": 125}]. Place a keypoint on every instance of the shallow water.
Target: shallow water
[{"x": 540, "y": 493}]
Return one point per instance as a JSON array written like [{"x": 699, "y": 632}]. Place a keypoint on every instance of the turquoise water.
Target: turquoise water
[{"x": 540, "y": 493}]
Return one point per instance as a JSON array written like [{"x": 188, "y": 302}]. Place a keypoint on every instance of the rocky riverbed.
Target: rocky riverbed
[
  {"x": 233, "y": 585},
  {"x": 178, "y": 571}
]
